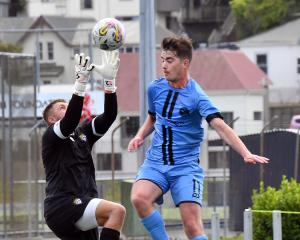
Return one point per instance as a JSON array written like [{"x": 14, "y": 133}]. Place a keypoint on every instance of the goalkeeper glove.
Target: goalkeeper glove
[
  {"x": 82, "y": 71},
  {"x": 109, "y": 68}
]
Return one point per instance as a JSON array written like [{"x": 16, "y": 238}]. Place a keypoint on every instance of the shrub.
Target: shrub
[{"x": 286, "y": 198}]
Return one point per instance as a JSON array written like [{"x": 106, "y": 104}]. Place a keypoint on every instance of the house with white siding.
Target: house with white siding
[{"x": 277, "y": 53}]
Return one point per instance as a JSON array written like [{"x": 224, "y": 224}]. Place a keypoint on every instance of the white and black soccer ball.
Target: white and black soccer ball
[{"x": 108, "y": 34}]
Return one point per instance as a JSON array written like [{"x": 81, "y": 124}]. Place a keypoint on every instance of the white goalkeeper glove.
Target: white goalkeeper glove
[
  {"x": 109, "y": 69},
  {"x": 83, "y": 69}
]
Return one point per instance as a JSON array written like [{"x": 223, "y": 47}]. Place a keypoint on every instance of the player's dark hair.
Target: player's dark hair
[
  {"x": 181, "y": 45},
  {"x": 48, "y": 109}
]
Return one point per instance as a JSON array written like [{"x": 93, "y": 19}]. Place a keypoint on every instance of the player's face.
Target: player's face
[
  {"x": 173, "y": 67},
  {"x": 58, "y": 111}
]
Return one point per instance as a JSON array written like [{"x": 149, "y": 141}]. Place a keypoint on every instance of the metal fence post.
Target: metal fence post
[
  {"x": 248, "y": 224},
  {"x": 277, "y": 232},
  {"x": 215, "y": 226}
]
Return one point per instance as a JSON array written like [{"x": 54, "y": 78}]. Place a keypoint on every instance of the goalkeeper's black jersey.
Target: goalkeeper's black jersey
[{"x": 67, "y": 161}]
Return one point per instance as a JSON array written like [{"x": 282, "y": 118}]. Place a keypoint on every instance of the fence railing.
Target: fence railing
[{"x": 276, "y": 222}]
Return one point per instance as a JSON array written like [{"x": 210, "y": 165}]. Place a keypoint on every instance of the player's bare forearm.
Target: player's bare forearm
[
  {"x": 147, "y": 128},
  {"x": 143, "y": 132},
  {"x": 231, "y": 138}
]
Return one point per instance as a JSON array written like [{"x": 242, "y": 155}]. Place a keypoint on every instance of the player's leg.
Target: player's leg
[
  {"x": 143, "y": 195},
  {"x": 104, "y": 213},
  {"x": 186, "y": 187},
  {"x": 150, "y": 185},
  {"x": 192, "y": 220}
]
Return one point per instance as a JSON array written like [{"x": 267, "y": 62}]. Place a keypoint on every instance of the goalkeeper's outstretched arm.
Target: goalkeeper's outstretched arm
[{"x": 101, "y": 123}]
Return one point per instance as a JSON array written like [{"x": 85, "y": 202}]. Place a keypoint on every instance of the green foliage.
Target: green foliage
[
  {"x": 286, "y": 198},
  {"x": 8, "y": 47},
  {"x": 254, "y": 16}
]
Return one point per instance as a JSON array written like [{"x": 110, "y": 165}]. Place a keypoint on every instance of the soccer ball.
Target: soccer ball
[{"x": 108, "y": 34}]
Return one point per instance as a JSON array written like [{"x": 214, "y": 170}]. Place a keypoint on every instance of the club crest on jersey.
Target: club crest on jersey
[
  {"x": 77, "y": 201},
  {"x": 82, "y": 137},
  {"x": 184, "y": 111}
]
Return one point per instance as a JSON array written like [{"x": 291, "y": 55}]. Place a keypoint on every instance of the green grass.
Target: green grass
[
  {"x": 173, "y": 213},
  {"x": 234, "y": 238}
]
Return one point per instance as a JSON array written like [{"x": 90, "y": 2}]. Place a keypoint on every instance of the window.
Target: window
[
  {"x": 228, "y": 118},
  {"x": 298, "y": 65},
  {"x": 50, "y": 50},
  {"x": 86, "y": 4},
  {"x": 129, "y": 49},
  {"x": 262, "y": 62},
  {"x": 216, "y": 159},
  {"x": 76, "y": 50},
  {"x": 104, "y": 161},
  {"x": 257, "y": 116},
  {"x": 215, "y": 192},
  {"x": 197, "y": 3},
  {"x": 129, "y": 129},
  {"x": 41, "y": 50}
]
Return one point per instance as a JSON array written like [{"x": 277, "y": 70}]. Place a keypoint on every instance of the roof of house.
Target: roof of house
[
  {"x": 287, "y": 33},
  {"x": 12, "y": 24},
  {"x": 21, "y": 24},
  {"x": 79, "y": 37},
  {"x": 226, "y": 70},
  {"x": 221, "y": 70}
]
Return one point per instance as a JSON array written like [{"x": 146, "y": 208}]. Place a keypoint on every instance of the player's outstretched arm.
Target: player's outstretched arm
[
  {"x": 108, "y": 69},
  {"x": 230, "y": 137},
  {"x": 142, "y": 133}
]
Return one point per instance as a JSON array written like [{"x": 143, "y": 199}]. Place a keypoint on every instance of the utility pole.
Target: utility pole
[{"x": 147, "y": 59}]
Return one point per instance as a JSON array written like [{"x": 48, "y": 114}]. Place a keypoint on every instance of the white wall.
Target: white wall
[
  {"x": 37, "y": 7},
  {"x": 72, "y": 8},
  {"x": 282, "y": 70},
  {"x": 282, "y": 64},
  {"x": 62, "y": 54},
  {"x": 243, "y": 105}
]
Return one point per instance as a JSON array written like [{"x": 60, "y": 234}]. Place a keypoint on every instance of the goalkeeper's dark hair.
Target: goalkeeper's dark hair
[
  {"x": 181, "y": 45},
  {"x": 48, "y": 109}
]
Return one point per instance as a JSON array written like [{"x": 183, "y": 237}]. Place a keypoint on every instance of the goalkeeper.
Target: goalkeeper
[{"x": 72, "y": 209}]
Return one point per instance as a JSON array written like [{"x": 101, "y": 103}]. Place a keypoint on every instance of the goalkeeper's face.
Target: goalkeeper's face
[{"x": 57, "y": 112}]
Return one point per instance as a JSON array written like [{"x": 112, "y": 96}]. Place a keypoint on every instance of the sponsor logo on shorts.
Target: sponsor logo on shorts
[
  {"x": 196, "y": 188},
  {"x": 77, "y": 201}
]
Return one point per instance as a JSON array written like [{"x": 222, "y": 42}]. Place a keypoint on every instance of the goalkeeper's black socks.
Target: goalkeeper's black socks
[{"x": 109, "y": 234}]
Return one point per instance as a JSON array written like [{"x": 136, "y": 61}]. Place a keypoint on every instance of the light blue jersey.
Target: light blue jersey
[{"x": 178, "y": 127}]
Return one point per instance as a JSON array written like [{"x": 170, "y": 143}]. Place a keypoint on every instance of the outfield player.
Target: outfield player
[
  {"x": 177, "y": 105},
  {"x": 73, "y": 210}
]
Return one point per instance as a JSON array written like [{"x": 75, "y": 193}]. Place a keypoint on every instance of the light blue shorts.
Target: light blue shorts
[{"x": 184, "y": 181}]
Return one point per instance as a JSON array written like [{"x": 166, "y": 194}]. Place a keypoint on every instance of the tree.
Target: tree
[
  {"x": 254, "y": 16},
  {"x": 8, "y": 47}
]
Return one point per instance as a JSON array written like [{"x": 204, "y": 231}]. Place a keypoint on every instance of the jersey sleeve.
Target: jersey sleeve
[
  {"x": 64, "y": 127},
  {"x": 99, "y": 125},
  {"x": 205, "y": 107},
  {"x": 151, "y": 94}
]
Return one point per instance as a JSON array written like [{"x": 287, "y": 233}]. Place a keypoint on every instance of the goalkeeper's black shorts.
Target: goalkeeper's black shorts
[{"x": 61, "y": 214}]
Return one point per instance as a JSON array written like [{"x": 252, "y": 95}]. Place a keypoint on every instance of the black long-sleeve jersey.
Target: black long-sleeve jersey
[{"x": 66, "y": 149}]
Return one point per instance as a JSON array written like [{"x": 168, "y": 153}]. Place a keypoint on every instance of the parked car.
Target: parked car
[{"x": 295, "y": 122}]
